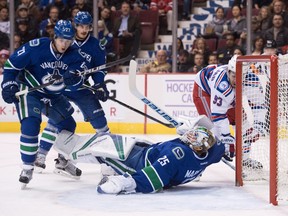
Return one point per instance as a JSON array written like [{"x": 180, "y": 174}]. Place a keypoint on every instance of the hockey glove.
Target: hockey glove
[
  {"x": 229, "y": 142},
  {"x": 117, "y": 184},
  {"x": 9, "y": 90},
  {"x": 72, "y": 78},
  {"x": 102, "y": 92}
]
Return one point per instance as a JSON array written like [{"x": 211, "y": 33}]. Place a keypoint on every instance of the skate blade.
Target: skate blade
[
  {"x": 23, "y": 186},
  {"x": 65, "y": 174}
]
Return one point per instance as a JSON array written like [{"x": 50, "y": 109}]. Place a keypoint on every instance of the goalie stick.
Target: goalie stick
[
  {"x": 131, "y": 108},
  {"x": 136, "y": 93},
  {"x": 92, "y": 70}
]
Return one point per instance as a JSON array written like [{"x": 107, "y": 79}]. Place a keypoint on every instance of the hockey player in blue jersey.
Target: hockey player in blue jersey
[
  {"x": 149, "y": 168},
  {"x": 35, "y": 63},
  {"x": 87, "y": 101}
]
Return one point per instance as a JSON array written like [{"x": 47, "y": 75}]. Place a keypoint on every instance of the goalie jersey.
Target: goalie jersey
[
  {"x": 213, "y": 79},
  {"x": 170, "y": 163},
  {"x": 33, "y": 69}
]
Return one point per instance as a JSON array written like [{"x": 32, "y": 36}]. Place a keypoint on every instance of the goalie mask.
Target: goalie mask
[{"x": 199, "y": 139}]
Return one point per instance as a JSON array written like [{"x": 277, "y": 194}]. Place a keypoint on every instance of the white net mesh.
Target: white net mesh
[{"x": 256, "y": 123}]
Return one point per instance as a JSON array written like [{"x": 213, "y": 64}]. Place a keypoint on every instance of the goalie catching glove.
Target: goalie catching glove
[
  {"x": 117, "y": 184},
  {"x": 229, "y": 142},
  {"x": 188, "y": 123}
]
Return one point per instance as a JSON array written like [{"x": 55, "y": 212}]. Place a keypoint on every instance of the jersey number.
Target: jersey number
[
  {"x": 217, "y": 100},
  {"x": 163, "y": 160}
]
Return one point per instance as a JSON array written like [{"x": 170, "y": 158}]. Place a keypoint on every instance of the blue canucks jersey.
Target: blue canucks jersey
[
  {"x": 173, "y": 163},
  {"x": 94, "y": 55},
  {"x": 36, "y": 63}
]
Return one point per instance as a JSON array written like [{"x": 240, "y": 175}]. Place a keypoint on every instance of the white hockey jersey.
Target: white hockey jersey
[{"x": 214, "y": 81}]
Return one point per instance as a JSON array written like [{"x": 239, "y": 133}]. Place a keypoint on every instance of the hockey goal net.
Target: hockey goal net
[{"x": 262, "y": 123}]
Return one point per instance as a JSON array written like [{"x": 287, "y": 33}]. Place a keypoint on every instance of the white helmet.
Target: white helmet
[
  {"x": 200, "y": 139},
  {"x": 232, "y": 64}
]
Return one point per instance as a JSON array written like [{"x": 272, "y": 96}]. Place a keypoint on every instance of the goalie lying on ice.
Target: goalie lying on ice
[{"x": 145, "y": 167}]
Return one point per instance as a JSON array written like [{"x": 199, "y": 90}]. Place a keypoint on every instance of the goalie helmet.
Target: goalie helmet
[
  {"x": 199, "y": 139},
  {"x": 83, "y": 18},
  {"x": 64, "y": 29},
  {"x": 232, "y": 64}
]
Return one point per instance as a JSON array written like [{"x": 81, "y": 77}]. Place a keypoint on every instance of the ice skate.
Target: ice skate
[
  {"x": 252, "y": 164},
  {"x": 66, "y": 168},
  {"x": 26, "y": 176},
  {"x": 40, "y": 163}
]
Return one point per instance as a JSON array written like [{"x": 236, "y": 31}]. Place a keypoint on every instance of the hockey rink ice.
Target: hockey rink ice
[{"x": 52, "y": 195}]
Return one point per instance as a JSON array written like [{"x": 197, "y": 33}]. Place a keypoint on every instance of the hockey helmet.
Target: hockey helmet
[
  {"x": 232, "y": 64},
  {"x": 83, "y": 18},
  {"x": 199, "y": 139},
  {"x": 64, "y": 29}
]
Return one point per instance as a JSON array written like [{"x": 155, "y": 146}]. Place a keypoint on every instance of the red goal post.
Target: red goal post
[{"x": 261, "y": 104}]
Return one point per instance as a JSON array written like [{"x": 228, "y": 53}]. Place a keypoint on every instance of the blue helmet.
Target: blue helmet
[
  {"x": 83, "y": 18},
  {"x": 64, "y": 29}
]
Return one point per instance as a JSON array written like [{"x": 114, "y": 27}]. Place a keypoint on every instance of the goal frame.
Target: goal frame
[{"x": 273, "y": 121}]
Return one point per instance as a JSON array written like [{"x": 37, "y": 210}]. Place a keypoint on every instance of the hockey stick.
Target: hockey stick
[
  {"x": 136, "y": 93},
  {"x": 86, "y": 72},
  {"x": 228, "y": 163},
  {"x": 132, "y": 108},
  {"x": 26, "y": 91},
  {"x": 92, "y": 70}
]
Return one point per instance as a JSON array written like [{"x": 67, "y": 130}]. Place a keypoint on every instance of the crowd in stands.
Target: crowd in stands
[{"x": 118, "y": 24}]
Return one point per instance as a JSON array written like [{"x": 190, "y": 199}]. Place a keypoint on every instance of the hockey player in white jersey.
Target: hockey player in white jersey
[
  {"x": 214, "y": 96},
  {"x": 146, "y": 167}
]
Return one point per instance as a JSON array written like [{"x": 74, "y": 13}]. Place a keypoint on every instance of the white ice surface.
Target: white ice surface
[{"x": 51, "y": 195}]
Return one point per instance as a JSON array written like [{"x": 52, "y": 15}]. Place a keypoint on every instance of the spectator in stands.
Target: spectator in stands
[
  {"x": 260, "y": 3},
  {"x": 278, "y": 31},
  {"x": 217, "y": 27},
  {"x": 279, "y": 8},
  {"x": 22, "y": 29},
  {"x": 238, "y": 51},
  {"x": 4, "y": 41},
  {"x": 4, "y": 20},
  {"x": 225, "y": 53},
  {"x": 114, "y": 5},
  {"x": 199, "y": 62},
  {"x": 4, "y": 55},
  {"x": 3, "y": 3},
  {"x": 263, "y": 18},
  {"x": 22, "y": 14},
  {"x": 125, "y": 28},
  {"x": 63, "y": 8},
  {"x": 83, "y": 6},
  {"x": 201, "y": 47},
  {"x": 180, "y": 45},
  {"x": 258, "y": 45},
  {"x": 105, "y": 15},
  {"x": 237, "y": 24},
  {"x": 74, "y": 10},
  {"x": 186, "y": 9},
  {"x": 53, "y": 18},
  {"x": 183, "y": 64},
  {"x": 159, "y": 65},
  {"x": 17, "y": 41},
  {"x": 139, "y": 5},
  {"x": 33, "y": 10},
  {"x": 164, "y": 8},
  {"x": 213, "y": 59}
]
